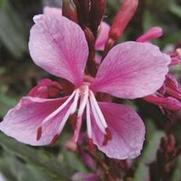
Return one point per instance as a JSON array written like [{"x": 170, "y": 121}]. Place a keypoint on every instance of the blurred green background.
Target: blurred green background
[{"x": 18, "y": 74}]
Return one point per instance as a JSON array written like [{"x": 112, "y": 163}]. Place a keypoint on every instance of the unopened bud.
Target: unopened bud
[
  {"x": 152, "y": 33},
  {"x": 123, "y": 17}
]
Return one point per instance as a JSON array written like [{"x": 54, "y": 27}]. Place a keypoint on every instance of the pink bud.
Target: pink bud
[
  {"x": 152, "y": 33},
  {"x": 122, "y": 18}
]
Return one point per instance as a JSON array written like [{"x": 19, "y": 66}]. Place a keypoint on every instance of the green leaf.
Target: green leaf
[
  {"x": 14, "y": 169},
  {"x": 177, "y": 173},
  {"x": 1, "y": 2},
  {"x": 6, "y": 103},
  {"x": 38, "y": 158},
  {"x": 175, "y": 9},
  {"x": 12, "y": 30},
  {"x": 73, "y": 162}
]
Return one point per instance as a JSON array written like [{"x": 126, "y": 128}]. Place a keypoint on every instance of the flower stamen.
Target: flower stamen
[
  {"x": 88, "y": 119},
  {"x": 98, "y": 110},
  {"x": 70, "y": 111},
  {"x": 39, "y": 133},
  {"x": 99, "y": 118},
  {"x": 58, "y": 110},
  {"x": 83, "y": 101}
]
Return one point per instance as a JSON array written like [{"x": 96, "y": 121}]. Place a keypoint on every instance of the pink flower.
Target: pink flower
[{"x": 130, "y": 70}]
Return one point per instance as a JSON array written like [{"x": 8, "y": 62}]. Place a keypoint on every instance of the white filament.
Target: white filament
[
  {"x": 70, "y": 111},
  {"x": 75, "y": 102},
  {"x": 88, "y": 119},
  {"x": 97, "y": 119},
  {"x": 59, "y": 108},
  {"x": 88, "y": 102},
  {"x": 97, "y": 109},
  {"x": 83, "y": 102}
]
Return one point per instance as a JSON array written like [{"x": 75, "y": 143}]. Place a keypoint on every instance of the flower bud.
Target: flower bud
[{"x": 123, "y": 17}]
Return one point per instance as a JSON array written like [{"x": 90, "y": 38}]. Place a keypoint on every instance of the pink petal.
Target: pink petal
[
  {"x": 102, "y": 36},
  {"x": 127, "y": 131},
  {"x": 22, "y": 121},
  {"x": 132, "y": 70},
  {"x": 52, "y": 11},
  {"x": 58, "y": 45},
  {"x": 46, "y": 88}
]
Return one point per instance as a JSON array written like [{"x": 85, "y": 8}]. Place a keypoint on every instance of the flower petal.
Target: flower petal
[
  {"x": 52, "y": 11},
  {"x": 132, "y": 70},
  {"x": 59, "y": 46},
  {"x": 127, "y": 131},
  {"x": 22, "y": 121},
  {"x": 102, "y": 36}
]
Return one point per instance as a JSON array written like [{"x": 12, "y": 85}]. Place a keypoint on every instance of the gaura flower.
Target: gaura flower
[{"x": 130, "y": 70}]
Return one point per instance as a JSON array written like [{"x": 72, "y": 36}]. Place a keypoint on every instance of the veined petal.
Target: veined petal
[
  {"x": 127, "y": 131},
  {"x": 132, "y": 70},
  {"x": 102, "y": 36},
  {"x": 22, "y": 121},
  {"x": 59, "y": 46}
]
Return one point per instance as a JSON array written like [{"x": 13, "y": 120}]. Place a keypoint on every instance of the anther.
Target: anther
[
  {"x": 39, "y": 133},
  {"x": 107, "y": 136}
]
